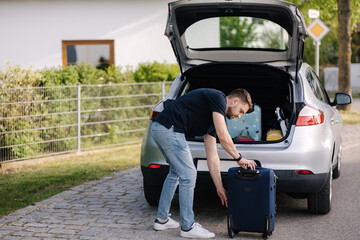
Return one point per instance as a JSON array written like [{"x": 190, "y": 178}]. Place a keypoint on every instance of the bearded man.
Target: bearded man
[{"x": 200, "y": 112}]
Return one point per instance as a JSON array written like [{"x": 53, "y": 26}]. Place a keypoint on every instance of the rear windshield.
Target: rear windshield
[{"x": 236, "y": 33}]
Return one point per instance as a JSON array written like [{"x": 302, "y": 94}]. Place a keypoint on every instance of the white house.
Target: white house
[{"x": 42, "y": 33}]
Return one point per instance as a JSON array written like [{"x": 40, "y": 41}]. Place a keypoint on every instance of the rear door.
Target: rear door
[{"x": 263, "y": 31}]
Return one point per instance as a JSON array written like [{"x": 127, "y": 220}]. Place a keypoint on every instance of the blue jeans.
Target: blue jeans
[{"x": 182, "y": 172}]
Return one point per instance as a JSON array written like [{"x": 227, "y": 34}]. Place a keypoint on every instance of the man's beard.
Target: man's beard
[{"x": 230, "y": 113}]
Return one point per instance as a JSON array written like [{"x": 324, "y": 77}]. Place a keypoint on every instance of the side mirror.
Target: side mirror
[{"x": 341, "y": 99}]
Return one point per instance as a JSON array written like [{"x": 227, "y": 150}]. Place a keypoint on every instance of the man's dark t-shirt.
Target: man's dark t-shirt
[{"x": 192, "y": 113}]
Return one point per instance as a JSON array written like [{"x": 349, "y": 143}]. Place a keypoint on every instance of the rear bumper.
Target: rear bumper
[
  {"x": 288, "y": 181},
  {"x": 303, "y": 152},
  {"x": 155, "y": 176}
]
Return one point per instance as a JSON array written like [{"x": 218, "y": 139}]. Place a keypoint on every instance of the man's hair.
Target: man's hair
[{"x": 244, "y": 96}]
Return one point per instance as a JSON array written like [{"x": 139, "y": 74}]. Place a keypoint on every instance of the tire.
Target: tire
[
  {"x": 320, "y": 202},
  {"x": 152, "y": 193},
  {"x": 336, "y": 171}
]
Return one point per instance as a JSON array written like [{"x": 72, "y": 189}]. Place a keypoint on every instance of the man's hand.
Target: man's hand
[
  {"x": 245, "y": 162},
  {"x": 222, "y": 195},
  {"x": 213, "y": 162}
]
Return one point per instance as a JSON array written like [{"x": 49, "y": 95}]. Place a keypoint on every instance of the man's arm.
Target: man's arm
[
  {"x": 227, "y": 142},
  {"x": 213, "y": 162},
  {"x": 223, "y": 135}
]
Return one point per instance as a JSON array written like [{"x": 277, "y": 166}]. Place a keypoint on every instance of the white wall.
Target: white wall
[
  {"x": 331, "y": 75},
  {"x": 32, "y": 30}
]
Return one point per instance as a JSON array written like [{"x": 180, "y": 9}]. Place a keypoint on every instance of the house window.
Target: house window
[{"x": 99, "y": 53}]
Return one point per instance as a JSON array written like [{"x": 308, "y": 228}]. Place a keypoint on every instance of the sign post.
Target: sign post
[
  {"x": 317, "y": 30},
  {"x": 317, "y": 57}
]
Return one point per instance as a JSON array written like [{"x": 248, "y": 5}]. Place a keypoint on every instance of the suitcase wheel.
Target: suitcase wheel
[
  {"x": 264, "y": 236},
  {"x": 268, "y": 231},
  {"x": 229, "y": 224},
  {"x": 231, "y": 231}
]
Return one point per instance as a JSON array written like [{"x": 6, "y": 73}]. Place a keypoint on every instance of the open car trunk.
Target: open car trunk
[
  {"x": 270, "y": 88},
  {"x": 261, "y": 31}
]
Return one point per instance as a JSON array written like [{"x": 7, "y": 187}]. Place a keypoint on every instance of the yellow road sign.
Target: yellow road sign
[{"x": 317, "y": 30}]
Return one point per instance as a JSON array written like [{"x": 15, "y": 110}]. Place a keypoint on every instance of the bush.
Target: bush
[
  {"x": 87, "y": 74},
  {"x": 35, "y": 115},
  {"x": 59, "y": 76},
  {"x": 15, "y": 104},
  {"x": 156, "y": 72},
  {"x": 84, "y": 74},
  {"x": 116, "y": 74},
  {"x": 17, "y": 77}
]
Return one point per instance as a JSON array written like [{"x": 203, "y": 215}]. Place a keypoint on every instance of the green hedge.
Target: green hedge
[
  {"x": 84, "y": 74},
  {"x": 156, "y": 72},
  {"x": 26, "y": 101},
  {"x": 20, "y": 79},
  {"x": 16, "y": 76},
  {"x": 88, "y": 74}
]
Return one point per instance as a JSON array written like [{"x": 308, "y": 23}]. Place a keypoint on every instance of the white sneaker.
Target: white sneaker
[
  {"x": 197, "y": 231},
  {"x": 169, "y": 223}
]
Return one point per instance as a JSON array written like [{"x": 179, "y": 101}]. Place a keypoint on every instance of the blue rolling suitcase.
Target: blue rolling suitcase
[{"x": 251, "y": 201}]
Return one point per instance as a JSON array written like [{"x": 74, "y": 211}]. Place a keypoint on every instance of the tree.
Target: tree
[
  {"x": 236, "y": 32},
  {"x": 329, "y": 9},
  {"x": 344, "y": 19}
]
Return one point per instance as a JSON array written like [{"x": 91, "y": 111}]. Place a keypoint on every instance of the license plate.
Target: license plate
[{"x": 224, "y": 165}]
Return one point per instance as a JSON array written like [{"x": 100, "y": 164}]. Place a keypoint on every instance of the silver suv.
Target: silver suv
[{"x": 256, "y": 45}]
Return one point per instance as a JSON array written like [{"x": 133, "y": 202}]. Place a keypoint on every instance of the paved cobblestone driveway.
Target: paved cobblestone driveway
[
  {"x": 109, "y": 208},
  {"x": 114, "y": 208}
]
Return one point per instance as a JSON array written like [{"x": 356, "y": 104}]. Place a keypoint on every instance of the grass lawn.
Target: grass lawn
[
  {"x": 30, "y": 182},
  {"x": 350, "y": 117}
]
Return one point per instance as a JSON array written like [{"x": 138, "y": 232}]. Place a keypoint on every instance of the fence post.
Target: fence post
[
  {"x": 78, "y": 118},
  {"x": 163, "y": 89}
]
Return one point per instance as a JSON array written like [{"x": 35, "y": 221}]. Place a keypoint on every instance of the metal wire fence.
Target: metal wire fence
[{"x": 44, "y": 121}]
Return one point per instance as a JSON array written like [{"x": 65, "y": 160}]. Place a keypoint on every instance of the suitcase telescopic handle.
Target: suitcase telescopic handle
[{"x": 248, "y": 174}]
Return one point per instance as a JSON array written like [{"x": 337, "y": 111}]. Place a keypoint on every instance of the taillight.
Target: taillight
[
  {"x": 153, "y": 114},
  {"x": 304, "y": 172},
  {"x": 310, "y": 116},
  {"x": 154, "y": 166}
]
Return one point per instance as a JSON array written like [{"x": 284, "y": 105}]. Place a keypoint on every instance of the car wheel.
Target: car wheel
[
  {"x": 320, "y": 202},
  {"x": 336, "y": 171},
  {"x": 152, "y": 193}
]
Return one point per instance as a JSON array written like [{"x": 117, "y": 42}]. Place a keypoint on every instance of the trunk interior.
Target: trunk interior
[{"x": 268, "y": 86}]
